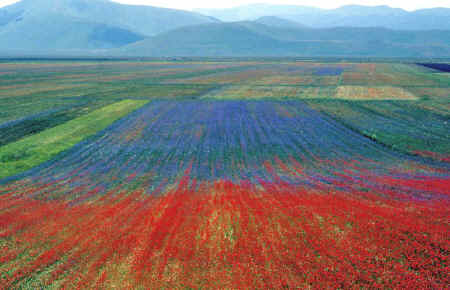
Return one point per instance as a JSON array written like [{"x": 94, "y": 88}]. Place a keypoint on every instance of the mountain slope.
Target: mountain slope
[
  {"x": 146, "y": 20},
  {"x": 255, "y": 39},
  {"x": 39, "y": 34},
  {"x": 84, "y": 24},
  {"x": 278, "y": 22},
  {"x": 225, "y": 39},
  {"x": 351, "y": 15}
]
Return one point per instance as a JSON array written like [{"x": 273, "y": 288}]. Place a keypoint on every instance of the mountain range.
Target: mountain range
[
  {"x": 346, "y": 16},
  {"x": 255, "y": 39},
  {"x": 85, "y": 24},
  {"x": 106, "y": 28}
]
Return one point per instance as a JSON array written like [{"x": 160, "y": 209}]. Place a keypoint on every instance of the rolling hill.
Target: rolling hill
[{"x": 256, "y": 39}]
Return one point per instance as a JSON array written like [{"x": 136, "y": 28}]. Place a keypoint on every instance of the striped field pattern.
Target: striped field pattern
[{"x": 224, "y": 175}]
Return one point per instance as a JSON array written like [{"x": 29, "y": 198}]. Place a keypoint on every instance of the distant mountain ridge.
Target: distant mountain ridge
[
  {"x": 145, "y": 20},
  {"x": 106, "y": 28},
  {"x": 85, "y": 24},
  {"x": 255, "y": 39},
  {"x": 278, "y": 22},
  {"x": 346, "y": 16}
]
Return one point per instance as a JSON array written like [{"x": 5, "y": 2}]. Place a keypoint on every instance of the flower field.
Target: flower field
[{"x": 224, "y": 175}]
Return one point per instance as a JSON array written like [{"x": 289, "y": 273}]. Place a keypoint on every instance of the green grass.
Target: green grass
[
  {"x": 31, "y": 151},
  {"x": 408, "y": 126}
]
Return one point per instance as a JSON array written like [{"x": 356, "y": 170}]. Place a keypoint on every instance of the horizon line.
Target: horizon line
[{"x": 12, "y": 2}]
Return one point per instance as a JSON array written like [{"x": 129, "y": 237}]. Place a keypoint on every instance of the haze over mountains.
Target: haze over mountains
[
  {"x": 347, "y": 16},
  {"x": 255, "y": 39},
  {"x": 85, "y": 24},
  {"x": 105, "y": 28}
]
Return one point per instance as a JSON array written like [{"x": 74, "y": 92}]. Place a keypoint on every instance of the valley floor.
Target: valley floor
[{"x": 255, "y": 174}]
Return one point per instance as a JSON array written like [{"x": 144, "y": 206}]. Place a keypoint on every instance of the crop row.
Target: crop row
[
  {"x": 31, "y": 151},
  {"x": 231, "y": 140},
  {"x": 407, "y": 126},
  {"x": 31, "y": 89},
  {"x": 226, "y": 235}
]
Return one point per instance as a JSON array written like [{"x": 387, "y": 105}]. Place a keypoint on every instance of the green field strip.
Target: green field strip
[
  {"x": 45, "y": 120},
  {"x": 31, "y": 151},
  {"x": 407, "y": 126},
  {"x": 26, "y": 106}
]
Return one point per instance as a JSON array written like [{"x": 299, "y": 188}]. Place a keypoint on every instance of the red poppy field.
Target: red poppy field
[{"x": 228, "y": 175}]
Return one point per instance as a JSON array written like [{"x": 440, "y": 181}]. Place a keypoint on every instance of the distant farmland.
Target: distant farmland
[{"x": 227, "y": 174}]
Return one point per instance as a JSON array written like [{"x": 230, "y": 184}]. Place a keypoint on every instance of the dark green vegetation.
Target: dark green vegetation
[
  {"x": 33, "y": 124},
  {"x": 31, "y": 151},
  {"x": 38, "y": 96},
  {"x": 403, "y": 126}
]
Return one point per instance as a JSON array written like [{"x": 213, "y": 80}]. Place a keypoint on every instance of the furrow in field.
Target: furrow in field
[
  {"x": 233, "y": 140},
  {"x": 31, "y": 151}
]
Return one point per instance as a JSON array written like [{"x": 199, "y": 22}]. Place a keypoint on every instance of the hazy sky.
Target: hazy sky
[{"x": 183, "y": 4}]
